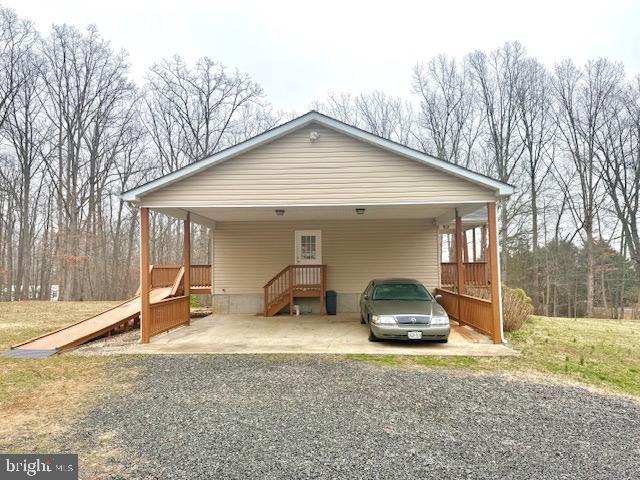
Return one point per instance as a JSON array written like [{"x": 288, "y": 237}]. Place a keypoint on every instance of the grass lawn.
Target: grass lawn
[
  {"x": 37, "y": 395},
  {"x": 600, "y": 353},
  {"x": 604, "y": 353}
]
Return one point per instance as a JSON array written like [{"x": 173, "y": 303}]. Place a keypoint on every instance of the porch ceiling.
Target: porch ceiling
[{"x": 333, "y": 212}]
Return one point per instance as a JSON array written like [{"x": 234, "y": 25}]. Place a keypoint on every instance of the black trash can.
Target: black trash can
[{"x": 331, "y": 300}]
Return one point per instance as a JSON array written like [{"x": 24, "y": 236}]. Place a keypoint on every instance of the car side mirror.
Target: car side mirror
[
  {"x": 438, "y": 297},
  {"x": 366, "y": 297}
]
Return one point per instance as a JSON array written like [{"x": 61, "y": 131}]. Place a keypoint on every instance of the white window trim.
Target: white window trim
[{"x": 298, "y": 234}]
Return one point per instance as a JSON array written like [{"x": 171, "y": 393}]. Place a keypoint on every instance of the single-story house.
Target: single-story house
[{"x": 314, "y": 205}]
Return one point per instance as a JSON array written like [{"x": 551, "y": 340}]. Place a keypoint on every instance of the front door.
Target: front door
[{"x": 308, "y": 247}]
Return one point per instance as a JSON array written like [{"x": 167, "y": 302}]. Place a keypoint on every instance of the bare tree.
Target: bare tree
[
  {"x": 582, "y": 99},
  {"x": 537, "y": 133},
  {"x": 449, "y": 114},
  {"x": 87, "y": 86},
  {"x": 253, "y": 119},
  {"x": 16, "y": 41},
  {"x": 29, "y": 135},
  {"x": 497, "y": 77},
  {"x": 383, "y": 115},
  {"x": 17, "y": 92},
  {"x": 618, "y": 154},
  {"x": 194, "y": 111}
]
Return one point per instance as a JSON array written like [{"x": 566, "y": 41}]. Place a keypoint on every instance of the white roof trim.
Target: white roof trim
[
  {"x": 469, "y": 214},
  {"x": 136, "y": 194},
  {"x": 181, "y": 214}
]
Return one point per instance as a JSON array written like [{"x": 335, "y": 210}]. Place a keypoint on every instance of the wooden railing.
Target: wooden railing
[
  {"x": 167, "y": 314},
  {"x": 475, "y": 273},
  {"x": 163, "y": 275},
  {"x": 178, "y": 283},
  {"x": 478, "y": 313},
  {"x": 449, "y": 302},
  {"x": 448, "y": 273},
  {"x": 472, "y": 311},
  {"x": 200, "y": 275},
  {"x": 292, "y": 281},
  {"x": 175, "y": 310},
  {"x": 277, "y": 287},
  {"x": 307, "y": 276}
]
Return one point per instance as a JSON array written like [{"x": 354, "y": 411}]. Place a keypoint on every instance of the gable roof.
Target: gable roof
[{"x": 501, "y": 188}]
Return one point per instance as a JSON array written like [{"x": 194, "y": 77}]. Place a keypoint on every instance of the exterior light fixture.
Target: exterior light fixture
[
  {"x": 360, "y": 211},
  {"x": 279, "y": 212}
]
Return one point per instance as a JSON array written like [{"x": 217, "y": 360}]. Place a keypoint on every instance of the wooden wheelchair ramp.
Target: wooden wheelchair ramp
[{"x": 85, "y": 330}]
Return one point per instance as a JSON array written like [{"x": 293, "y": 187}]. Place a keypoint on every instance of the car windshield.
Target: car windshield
[{"x": 401, "y": 291}]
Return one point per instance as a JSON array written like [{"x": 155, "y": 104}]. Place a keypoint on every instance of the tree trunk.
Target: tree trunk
[
  {"x": 590, "y": 267},
  {"x": 534, "y": 245}
]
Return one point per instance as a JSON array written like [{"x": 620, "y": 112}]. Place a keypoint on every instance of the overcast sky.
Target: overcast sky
[{"x": 300, "y": 50}]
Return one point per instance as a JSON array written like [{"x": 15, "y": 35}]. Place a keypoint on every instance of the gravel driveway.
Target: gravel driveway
[{"x": 249, "y": 417}]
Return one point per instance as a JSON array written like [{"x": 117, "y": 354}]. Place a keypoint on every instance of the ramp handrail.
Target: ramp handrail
[
  {"x": 473, "y": 311},
  {"x": 168, "y": 313},
  {"x": 164, "y": 275}
]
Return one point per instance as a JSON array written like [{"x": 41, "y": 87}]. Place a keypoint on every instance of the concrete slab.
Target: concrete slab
[{"x": 339, "y": 334}]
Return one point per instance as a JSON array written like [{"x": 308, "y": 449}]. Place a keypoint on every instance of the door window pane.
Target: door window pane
[{"x": 308, "y": 247}]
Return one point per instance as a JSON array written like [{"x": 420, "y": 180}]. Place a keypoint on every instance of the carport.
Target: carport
[{"x": 316, "y": 205}]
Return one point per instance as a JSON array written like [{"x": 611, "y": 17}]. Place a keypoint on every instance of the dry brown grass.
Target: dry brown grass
[{"x": 40, "y": 397}]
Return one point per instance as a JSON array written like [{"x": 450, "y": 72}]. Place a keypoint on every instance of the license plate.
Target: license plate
[{"x": 414, "y": 335}]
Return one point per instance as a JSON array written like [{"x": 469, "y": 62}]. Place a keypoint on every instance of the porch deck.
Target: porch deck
[{"x": 306, "y": 334}]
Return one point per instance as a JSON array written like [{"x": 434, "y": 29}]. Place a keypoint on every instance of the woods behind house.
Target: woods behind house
[{"x": 76, "y": 130}]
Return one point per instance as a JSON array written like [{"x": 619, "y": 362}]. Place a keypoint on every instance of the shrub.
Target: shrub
[
  {"x": 516, "y": 308},
  {"x": 194, "y": 302}
]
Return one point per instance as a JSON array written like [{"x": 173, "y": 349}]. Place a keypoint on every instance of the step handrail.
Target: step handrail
[
  {"x": 279, "y": 274},
  {"x": 177, "y": 282},
  {"x": 284, "y": 285}
]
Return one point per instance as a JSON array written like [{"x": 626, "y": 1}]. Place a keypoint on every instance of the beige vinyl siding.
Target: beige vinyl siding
[
  {"x": 248, "y": 254},
  {"x": 336, "y": 169}
]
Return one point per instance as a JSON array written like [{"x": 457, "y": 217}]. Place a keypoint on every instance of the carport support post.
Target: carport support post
[
  {"x": 459, "y": 256},
  {"x": 494, "y": 274},
  {"x": 145, "y": 277},
  {"x": 459, "y": 267},
  {"x": 186, "y": 259}
]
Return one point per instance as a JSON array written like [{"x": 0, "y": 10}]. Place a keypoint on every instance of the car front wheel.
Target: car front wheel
[{"x": 372, "y": 337}]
